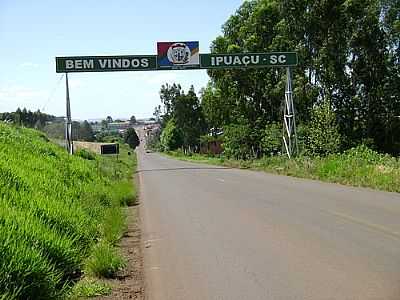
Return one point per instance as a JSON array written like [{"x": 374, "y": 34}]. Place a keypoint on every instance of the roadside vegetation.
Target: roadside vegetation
[
  {"x": 346, "y": 94},
  {"x": 60, "y": 216},
  {"x": 358, "y": 166}
]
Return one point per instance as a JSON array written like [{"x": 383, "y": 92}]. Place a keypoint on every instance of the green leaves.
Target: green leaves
[
  {"x": 237, "y": 139},
  {"x": 131, "y": 138},
  {"x": 323, "y": 135},
  {"x": 184, "y": 120},
  {"x": 272, "y": 139},
  {"x": 349, "y": 56},
  {"x": 171, "y": 137}
]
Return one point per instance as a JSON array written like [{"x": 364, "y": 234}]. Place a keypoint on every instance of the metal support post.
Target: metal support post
[
  {"x": 289, "y": 122},
  {"x": 68, "y": 121}
]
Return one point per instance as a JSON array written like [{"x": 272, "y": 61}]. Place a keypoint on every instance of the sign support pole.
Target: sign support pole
[
  {"x": 289, "y": 122},
  {"x": 68, "y": 121}
]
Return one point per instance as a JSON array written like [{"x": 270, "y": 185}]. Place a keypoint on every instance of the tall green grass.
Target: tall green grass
[
  {"x": 104, "y": 262},
  {"x": 54, "y": 209}
]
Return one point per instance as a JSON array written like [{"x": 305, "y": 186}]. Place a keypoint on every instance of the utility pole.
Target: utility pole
[{"x": 68, "y": 121}]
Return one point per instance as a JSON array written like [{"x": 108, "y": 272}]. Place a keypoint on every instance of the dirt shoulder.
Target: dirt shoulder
[{"x": 129, "y": 283}]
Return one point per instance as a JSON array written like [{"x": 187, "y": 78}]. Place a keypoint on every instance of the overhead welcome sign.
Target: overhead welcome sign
[
  {"x": 181, "y": 56},
  {"x": 174, "y": 56}
]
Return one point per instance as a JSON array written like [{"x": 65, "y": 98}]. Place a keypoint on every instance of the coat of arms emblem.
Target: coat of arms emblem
[{"x": 179, "y": 53}]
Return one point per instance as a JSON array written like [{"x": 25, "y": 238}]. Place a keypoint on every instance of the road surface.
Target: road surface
[{"x": 217, "y": 233}]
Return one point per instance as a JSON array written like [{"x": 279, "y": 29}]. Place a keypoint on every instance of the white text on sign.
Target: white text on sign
[
  {"x": 116, "y": 63},
  {"x": 232, "y": 60}
]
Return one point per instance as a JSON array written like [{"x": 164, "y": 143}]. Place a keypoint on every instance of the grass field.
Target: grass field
[
  {"x": 56, "y": 211},
  {"x": 359, "y": 166}
]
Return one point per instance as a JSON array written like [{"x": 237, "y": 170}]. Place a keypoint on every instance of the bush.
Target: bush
[
  {"x": 104, "y": 261},
  {"x": 171, "y": 137},
  {"x": 272, "y": 140},
  {"x": 323, "y": 137},
  {"x": 85, "y": 154},
  {"x": 131, "y": 138},
  {"x": 89, "y": 288},
  {"x": 237, "y": 141}
]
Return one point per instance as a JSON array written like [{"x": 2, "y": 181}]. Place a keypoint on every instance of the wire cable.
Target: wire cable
[{"x": 51, "y": 95}]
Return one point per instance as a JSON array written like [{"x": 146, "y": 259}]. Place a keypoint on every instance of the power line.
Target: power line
[{"x": 51, "y": 95}]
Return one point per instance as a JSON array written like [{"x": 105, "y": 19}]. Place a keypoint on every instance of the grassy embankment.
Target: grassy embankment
[
  {"x": 60, "y": 217},
  {"x": 356, "y": 167}
]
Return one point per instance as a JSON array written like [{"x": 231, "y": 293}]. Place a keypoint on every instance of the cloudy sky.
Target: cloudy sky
[{"x": 33, "y": 33}]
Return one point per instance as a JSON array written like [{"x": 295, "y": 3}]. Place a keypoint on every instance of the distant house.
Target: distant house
[
  {"x": 213, "y": 143},
  {"x": 152, "y": 129},
  {"x": 119, "y": 126},
  {"x": 113, "y": 127},
  {"x": 96, "y": 127}
]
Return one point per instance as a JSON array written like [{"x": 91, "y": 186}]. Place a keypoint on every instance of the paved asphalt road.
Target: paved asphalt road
[{"x": 215, "y": 233}]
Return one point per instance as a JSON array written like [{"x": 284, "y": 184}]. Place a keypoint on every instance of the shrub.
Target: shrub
[
  {"x": 237, "y": 141},
  {"x": 85, "y": 154},
  {"x": 131, "y": 138},
  {"x": 323, "y": 137},
  {"x": 272, "y": 140},
  {"x": 104, "y": 261},
  {"x": 89, "y": 288},
  {"x": 171, "y": 137}
]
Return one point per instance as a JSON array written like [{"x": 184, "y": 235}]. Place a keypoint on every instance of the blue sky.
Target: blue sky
[{"x": 33, "y": 33}]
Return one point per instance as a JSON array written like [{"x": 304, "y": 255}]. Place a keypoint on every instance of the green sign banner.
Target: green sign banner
[
  {"x": 106, "y": 63},
  {"x": 149, "y": 62},
  {"x": 248, "y": 60}
]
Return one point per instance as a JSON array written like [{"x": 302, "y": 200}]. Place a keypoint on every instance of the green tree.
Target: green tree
[
  {"x": 185, "y": 110},
  {"x": 104, "y": 124},
  {"x": 171, "y": 137},
  {"x": 27, "y": 118},
  {"x": 132, "y": 120},
  {"x": 168, "y": 96},
  {"x": 272, "y": 139},
  {"x": 86, "y": 132},
  {"x": 157, "y": 113},
  {"x": 18, "y": 117},
  {"x": 215, "y": 109},
  {"x": 131, "y": 138},
  {"x": 55, "y": 130},
  {"x": 323, "y": 132},
  {"x": 349, "y": 56},
  {"x": 237, "y": 141}
]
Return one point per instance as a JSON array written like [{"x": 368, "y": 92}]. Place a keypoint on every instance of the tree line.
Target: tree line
[
  {"x": 346, "y": 86},
  {"x": 27, "y": 118},
  {"x": 54, "y": 127},
  {"x": 81, "y": 131}
]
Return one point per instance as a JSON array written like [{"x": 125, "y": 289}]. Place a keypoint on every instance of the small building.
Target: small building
[{"x": 118, "y": 126}]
